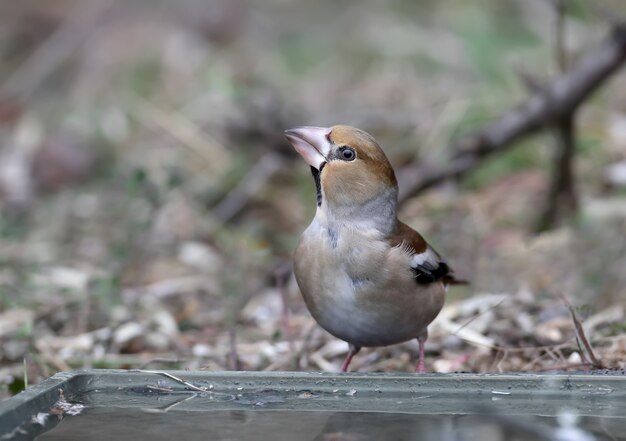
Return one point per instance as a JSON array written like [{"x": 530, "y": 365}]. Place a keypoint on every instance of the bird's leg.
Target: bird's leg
[
  {"x": 420, "y": 369},
  {"x": 351, "y": 353}
]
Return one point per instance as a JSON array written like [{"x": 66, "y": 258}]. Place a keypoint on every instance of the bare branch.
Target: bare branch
[
  {"x": 175, "y": 378},
  {"x": 546, "y": 107},
  {"x": 580, "y": 333},
  {"x": 562, "y": 199}
]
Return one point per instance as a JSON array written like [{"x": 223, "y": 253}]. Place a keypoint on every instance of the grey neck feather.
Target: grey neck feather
[{"x": 378, "y": 213}]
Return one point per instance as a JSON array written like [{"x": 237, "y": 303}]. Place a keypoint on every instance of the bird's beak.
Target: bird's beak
[{"x": 311, "y": 142}]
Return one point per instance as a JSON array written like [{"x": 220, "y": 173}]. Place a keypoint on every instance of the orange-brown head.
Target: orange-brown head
[{"x": 349, "y": 166}]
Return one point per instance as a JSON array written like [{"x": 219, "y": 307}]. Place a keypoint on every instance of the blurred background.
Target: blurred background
[{"x": 150, "y": 204}]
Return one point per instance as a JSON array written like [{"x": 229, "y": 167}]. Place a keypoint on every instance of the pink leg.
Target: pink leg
[
  {"x": 353, "y": 351},
  {"x": 420, "y": 369}
]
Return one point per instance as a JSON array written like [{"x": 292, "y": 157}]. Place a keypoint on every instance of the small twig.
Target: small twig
[
  {"x": 173, "y": 377},
  {"x": 581, "y": 351},
  {"x": 556, "y": 354},
  {"x": 580, "y": 333},
  {"x": 170, "y": 406},
  {"x": 166, "y": 390}
]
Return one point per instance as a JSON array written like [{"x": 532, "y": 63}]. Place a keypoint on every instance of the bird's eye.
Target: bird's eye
[{"x": 347, "y": 154}]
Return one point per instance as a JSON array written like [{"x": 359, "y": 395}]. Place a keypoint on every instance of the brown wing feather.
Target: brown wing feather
[{"x": 403, "y": 234}]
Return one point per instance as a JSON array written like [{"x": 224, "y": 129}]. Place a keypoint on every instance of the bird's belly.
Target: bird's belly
[
  {"x": 363, "y": 317},
  {"x": 366, "y": 328}
]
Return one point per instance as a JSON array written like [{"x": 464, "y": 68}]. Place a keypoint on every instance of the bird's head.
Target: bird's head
[{"x": 350, "y": 169}]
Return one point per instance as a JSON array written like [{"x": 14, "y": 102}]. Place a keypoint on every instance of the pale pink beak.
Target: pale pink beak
[{"x": 311, "y": 142}]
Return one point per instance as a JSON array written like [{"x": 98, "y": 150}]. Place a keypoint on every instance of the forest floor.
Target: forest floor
[{"x": 150, "y": 204}]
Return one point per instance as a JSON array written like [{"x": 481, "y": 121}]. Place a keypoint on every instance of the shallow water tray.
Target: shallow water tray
[{"x": 182, "y": 405}]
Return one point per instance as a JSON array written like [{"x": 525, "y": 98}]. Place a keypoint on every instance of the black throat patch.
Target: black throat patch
[{"x": 318, "y": 182}]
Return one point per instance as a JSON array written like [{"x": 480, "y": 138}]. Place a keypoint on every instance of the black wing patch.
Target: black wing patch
[{"x": 427, "y": 272}]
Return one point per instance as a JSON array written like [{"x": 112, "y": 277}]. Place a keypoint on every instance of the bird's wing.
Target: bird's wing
[{"x": 427, "y": 265}]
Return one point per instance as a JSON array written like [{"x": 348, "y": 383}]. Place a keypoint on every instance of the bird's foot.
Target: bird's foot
[
  {"x": 420, "y": 369},
  {"x": 351, "y": 353}
]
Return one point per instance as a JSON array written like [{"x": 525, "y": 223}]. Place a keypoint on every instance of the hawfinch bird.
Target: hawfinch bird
[{"x": 366, "y": 277}]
